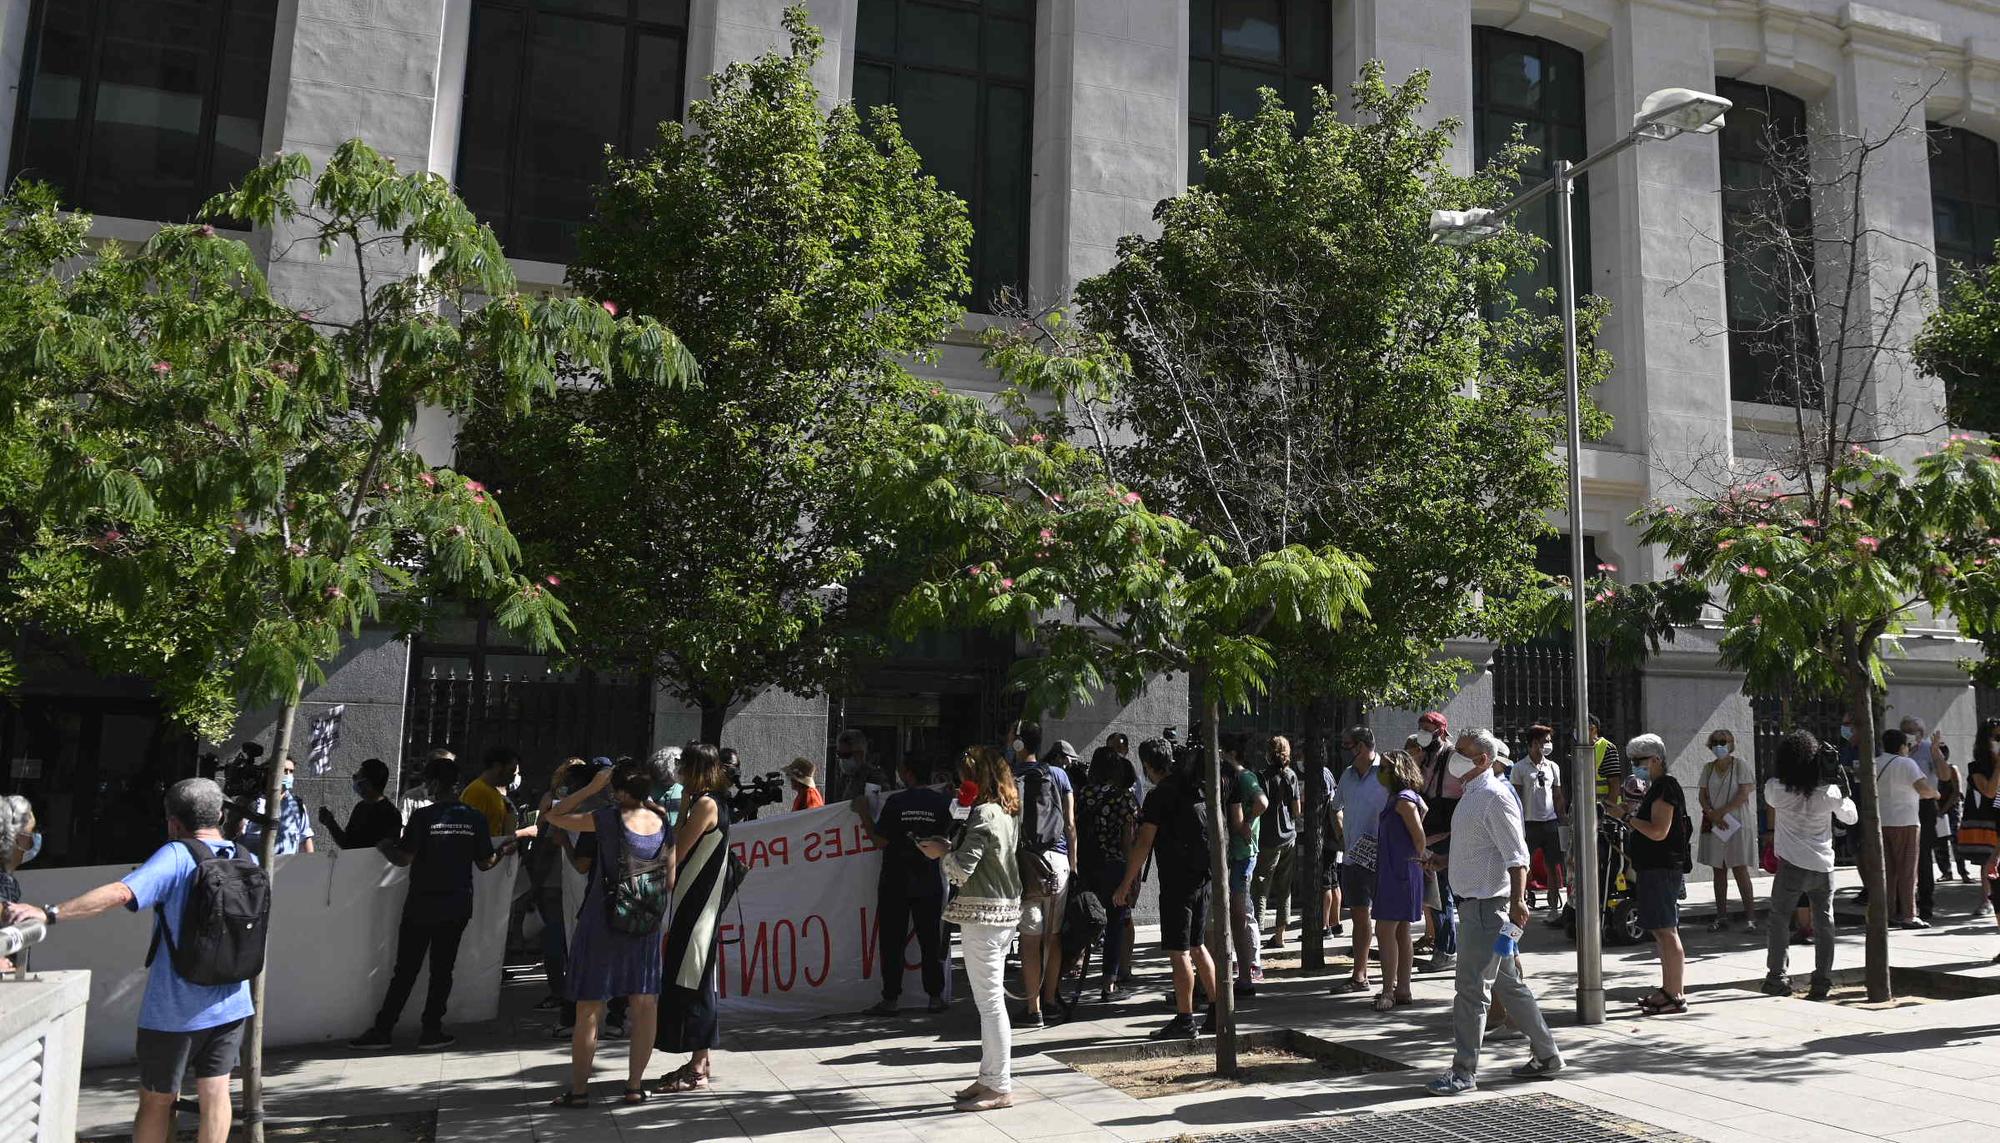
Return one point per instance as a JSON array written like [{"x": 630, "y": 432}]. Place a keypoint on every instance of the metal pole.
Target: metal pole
[{"x": 1588, "y": 900}]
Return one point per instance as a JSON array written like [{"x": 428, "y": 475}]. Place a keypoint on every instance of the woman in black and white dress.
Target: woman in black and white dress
[{"x": 688, "y": 997}]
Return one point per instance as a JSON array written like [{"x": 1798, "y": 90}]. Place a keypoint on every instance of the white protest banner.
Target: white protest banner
[{"x": 800, "y": 940}]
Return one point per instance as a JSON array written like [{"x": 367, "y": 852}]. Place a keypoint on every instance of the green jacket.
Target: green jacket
[{"x": 982, "y": 866}]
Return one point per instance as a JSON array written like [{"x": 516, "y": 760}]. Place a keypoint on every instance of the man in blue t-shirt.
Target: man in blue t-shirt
[
  {"x": 441, "y": 844},
  {"x": 181, "y": 1025}
]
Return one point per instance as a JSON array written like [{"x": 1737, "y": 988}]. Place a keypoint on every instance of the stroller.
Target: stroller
[{"x": 1619, "y": 885}]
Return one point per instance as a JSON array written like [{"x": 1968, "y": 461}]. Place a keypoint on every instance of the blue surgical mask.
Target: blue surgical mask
[
  {"x": 1847, "y": 732},
  {"x": 361, "y": 788},
  {"x": 285, "y": 782},
  {"x": 34, "y": 847}
]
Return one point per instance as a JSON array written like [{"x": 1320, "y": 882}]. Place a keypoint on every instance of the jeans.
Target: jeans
[
  {"x": 1785, "y": 889},
  {"x": 422, "y": 936},
  {"x": 1104, "y": 880},
  {"x": 895, "y": 912},
  {"x": 555, "y": 948},
  {"x": 1480, "y": 978},
  {"x": 985, "y": 951},
  {"x": 1445, "y": 940},
  {"x": 1243, "y": 923},
  {"x": 1273, "y": 881}
]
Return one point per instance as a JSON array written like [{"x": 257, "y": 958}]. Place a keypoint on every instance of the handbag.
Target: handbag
[{"x": 1769, "y": 858}]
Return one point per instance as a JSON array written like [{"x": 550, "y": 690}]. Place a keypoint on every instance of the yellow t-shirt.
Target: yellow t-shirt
[{"x": 481, "y": 796}]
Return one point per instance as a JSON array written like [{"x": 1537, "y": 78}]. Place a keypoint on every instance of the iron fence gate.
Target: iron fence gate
[
  {"x": 1772, "y": 716},
  {"x": 544, "y": 715},
  {"x": 1533, "y": 682}
]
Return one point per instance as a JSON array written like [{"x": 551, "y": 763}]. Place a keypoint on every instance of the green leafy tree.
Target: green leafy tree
[
  {"x": 1816, "y": 580},
  {"x": 751, "y": 532},
  {"x": 206, "y": 450}
]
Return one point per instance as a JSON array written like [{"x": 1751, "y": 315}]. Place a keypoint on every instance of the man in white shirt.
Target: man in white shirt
[
  {"x": 1543, "y": 805},
  {"x": 1931, "y": 757},
  {"x": 1804, "y": 799},
  {"x": 1900, "y": 786},
  {"x": 1489, "y": 877}
]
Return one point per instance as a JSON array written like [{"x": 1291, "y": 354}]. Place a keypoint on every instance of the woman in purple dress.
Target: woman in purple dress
[
  {"x": 605, "y": 962},
  {"x": 1399, "y": 874}
]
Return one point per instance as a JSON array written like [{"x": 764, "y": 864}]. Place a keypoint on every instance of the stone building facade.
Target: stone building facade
[{"x": 1063, "y": 122}]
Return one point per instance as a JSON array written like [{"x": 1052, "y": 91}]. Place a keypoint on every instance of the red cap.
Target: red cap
[{"x": 1433, "y": 718}]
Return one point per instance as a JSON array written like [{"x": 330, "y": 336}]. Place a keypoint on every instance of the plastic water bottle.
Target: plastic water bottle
[{"x": 1505, "y": 946}]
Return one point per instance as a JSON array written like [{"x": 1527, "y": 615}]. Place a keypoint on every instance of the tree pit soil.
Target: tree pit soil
[{"x": 1193, "y": 1075}]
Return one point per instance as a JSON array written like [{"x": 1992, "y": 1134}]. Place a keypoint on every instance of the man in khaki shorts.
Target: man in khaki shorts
[{"x": 1048, "y": 839}]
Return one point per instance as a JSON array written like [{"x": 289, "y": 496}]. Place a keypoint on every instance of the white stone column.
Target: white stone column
[
  {"x": 721, "y": 32},
  {"x": 1406, "y": 36},
  {"x": 1883, "y": 83},
  {"x": 1658, "y": 227},
  {"x": 1110, "y": 137}
]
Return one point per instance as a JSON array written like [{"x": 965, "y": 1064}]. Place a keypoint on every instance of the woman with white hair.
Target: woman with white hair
[
  {"x": 1658, "y": 849},
  {"x": 19, "y": 843}
]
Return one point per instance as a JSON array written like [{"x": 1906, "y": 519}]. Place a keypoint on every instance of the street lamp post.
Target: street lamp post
[{"x": 1664, "y": 115}]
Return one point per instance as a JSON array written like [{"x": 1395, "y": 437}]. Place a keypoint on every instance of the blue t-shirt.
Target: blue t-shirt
[
  {"x": 1058, "y": 777},
  {"x": 171, "y": 1003},
  {"x": 1360, "y": 799}
]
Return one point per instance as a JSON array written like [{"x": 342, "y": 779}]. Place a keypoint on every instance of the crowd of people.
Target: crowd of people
[{"x": 1022, "y": 848}]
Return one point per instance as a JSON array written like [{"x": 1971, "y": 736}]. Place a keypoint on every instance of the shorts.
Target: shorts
[
  {"x": 1357, "y": 887},
  {"x": 1043, "y": 915},
  {"x": 1547, "y": 837},
  {"x": 1659, "y": 899},
  {"x": 164, "y": 1057},
  {"x": 1183, "y": 915}
]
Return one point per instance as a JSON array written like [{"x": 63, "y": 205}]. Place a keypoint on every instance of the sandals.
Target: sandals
[
  {"x": 633, "y": 1096},
  {"x": 1385, "y": 1002},
  {"x": 1348, "y": 986},
  {"x": 973, "y": 1091},
  {"x": 1657, "y": 996},
  {"x": 571, "y": 1100},
  {"x": 680, "y": 1081},
  {"x": 1717, "y": 925},
  {"x": 1403, "y": 998},
  {"x": 987, "y": 1101},
  {"x": 1664, "y": 1006}
]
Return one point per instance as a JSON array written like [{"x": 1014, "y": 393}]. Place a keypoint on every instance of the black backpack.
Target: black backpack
[
  {"x": 1042, "y": 829},
  {"x": 1084, "y": 920},
  {"x": 1278, "y": 826},
  {"x": 224, "y": 922}
]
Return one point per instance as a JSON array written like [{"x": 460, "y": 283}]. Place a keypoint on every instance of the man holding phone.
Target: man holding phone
[{"x": 911, "y": 891}]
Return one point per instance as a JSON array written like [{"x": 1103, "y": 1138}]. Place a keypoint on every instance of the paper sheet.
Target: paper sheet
[{"x": 1727, "y": 829}]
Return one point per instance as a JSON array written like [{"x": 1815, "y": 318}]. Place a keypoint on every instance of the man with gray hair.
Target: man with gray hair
[
  {"x": 182, "y": 1025},
  {"x": 1933, "y": 760},
  {"x": 1489, "y": 879}
]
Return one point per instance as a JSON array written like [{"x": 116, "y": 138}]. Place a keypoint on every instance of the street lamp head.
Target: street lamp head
[
  {"x": 1675, "y": 110},
  {"x": 1464, "y": 227}
]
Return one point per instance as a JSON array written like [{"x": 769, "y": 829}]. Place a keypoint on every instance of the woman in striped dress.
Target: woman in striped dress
[{"x": 688, "y": 996}]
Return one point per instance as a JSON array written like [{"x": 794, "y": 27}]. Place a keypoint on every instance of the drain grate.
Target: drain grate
[{"x": 1522, "y": 1119}]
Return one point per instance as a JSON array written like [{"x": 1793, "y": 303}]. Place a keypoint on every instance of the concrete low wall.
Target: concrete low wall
[
  {"x": 333, "y": 943},
  {"x": 41, "y": 1053}
]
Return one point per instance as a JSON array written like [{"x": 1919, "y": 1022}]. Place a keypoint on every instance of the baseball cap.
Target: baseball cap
[{"x": 1064, "y": 750}]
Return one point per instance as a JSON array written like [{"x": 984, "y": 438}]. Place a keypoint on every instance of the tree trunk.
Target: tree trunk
[
  {"x": 1862, "y": 701},
  {"x": 1312, "y": 839},
  {"x": 713, "y": 715},
  {"x": 1209, "y": 739},
  {"x": 253, "y": 1066}
]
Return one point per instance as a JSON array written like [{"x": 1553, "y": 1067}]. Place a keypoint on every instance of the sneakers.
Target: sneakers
[
  {"x": 1442, "y": 962},
  {"x": 1274, "y": 942},
  {"x": 614, "y": 1032},
  {"x": 1181, "y": 1027},
  {"x": 882, "y": 1008},
  {"x": 1775, "y": 986},
  {"x": 564, "y": 1032},
  {"x": 1539, "y": 1069},
  {"x": 1245, "y": 988},
  {"x": 937, "y": 1004},
  {"x": 435, "y": 1039},
  {"x": 1029, "y": 1021},
  {"x": 1451, "y": 1083},
  {"x": 1208, "y": 1021},
  {"x": 373, "y": 1040},
  {"x": 1913, "y": 923},
  {"x": 1821, "y": 989},
  {"x": 1496, "y": 1033}
]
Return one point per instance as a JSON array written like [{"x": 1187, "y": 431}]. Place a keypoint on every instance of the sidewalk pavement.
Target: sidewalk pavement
[{"x": 1737, "y": 1066}]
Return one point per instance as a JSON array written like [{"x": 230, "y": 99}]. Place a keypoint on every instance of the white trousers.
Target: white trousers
[{"x": 985, "y": 949}]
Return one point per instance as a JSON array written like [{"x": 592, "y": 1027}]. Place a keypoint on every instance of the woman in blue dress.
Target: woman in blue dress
[
  {"x": 1399, "y": 874},
  {"x": 605, "y": 962}
]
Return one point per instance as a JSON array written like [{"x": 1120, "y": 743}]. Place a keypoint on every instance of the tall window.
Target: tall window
[
  {"x": 1965, "y": 196},
  {"x": 961, "y": 73},
  {"x": 547, "y": 85},
  {"x": 1767, "y": 246},
  {"x": 143, "y": 110},
  {"x": 1238, "y": 46},
  {"x": 1536, "y": 86}
]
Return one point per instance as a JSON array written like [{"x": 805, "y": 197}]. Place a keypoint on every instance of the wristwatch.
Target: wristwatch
[{"x": 53, "y": 913}]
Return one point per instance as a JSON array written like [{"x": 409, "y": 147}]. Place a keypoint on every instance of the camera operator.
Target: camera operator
[
  {"x": 747, "y": 799},
  {"x": 1805, "y": 797}
]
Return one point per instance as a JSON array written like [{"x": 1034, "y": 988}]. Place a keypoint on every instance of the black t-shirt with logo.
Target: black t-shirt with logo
[
  {"x": 1279, "y": 826},
  {"x": 1180, "y": 840},
  {"x": 447, "y": 840},
  {"x": 909, "y": 816}
]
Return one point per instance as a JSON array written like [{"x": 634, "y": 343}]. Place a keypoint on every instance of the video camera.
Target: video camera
[
  {"x": 1186, "y": 754},
  {"x": 1830, "y": 770},
  {"x": 747, "y": 798},
  {"x": 243, "y": 776}
]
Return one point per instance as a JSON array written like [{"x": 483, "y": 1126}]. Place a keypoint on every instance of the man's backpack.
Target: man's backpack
[
  {"x": 637, "y": 895},
  {"x": 224, "y": 921},
  {"x": 1043, "y": 828},
  {"x": 1084, "y": 919}
]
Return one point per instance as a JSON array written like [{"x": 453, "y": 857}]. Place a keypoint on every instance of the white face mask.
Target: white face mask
[
  {"x": 1425, "y": 738},
  {"x": 515, "y": 783},
  {"x": 1721, "y": 750},
  {"x": 1460, "y": 766}
]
